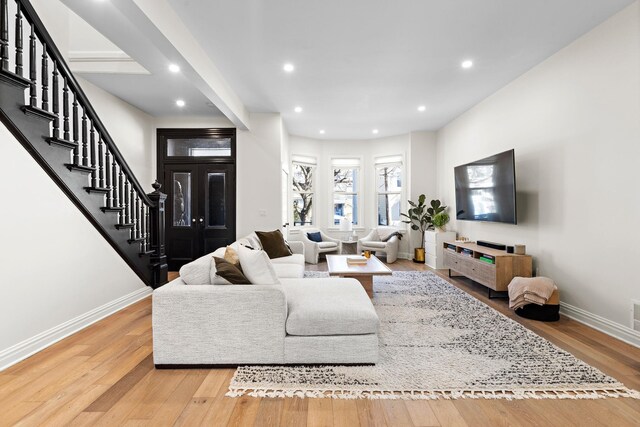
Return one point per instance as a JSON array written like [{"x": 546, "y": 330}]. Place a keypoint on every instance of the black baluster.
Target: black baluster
[
  {"x": 127, "y": 203},
  {"x": 94, "y": 151},
  {"x": 45, "y": 78},
  {"x": 19, "y": 40},
  {"x": 65, "y": 111},
  {"x": 4, "y": 35},
  {"x": 76, "y": 137},
  {"x": 85, "y": 142},
  {"x": 109, "y": 182},
  {"x": 56, "y": 102},
  {"x": 33, "y": 95},
  {"x": 101, "y": 163}
]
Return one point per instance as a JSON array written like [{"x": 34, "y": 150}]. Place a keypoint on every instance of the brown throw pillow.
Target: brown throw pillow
[
  {"x": 273, "y": 243},
  {"x": 231, "y": 255},
  {"x": 230, "y": 272}
]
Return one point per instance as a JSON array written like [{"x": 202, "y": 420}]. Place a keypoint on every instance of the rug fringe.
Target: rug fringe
[{"x": 439, "y": 394}]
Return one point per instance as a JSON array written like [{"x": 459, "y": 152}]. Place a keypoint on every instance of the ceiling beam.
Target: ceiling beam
[{"x": 152, "y": 33}]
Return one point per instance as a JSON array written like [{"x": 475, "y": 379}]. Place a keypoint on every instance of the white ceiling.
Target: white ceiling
[
  {"x": 360, "y": 64},
  {"x": 364, "y": 64}
]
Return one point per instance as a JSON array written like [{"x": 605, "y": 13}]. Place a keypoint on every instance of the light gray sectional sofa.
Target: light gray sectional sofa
[{"x": 299, "y": 321}]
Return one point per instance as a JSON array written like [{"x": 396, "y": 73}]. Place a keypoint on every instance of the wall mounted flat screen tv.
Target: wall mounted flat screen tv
[{"x": 486, "y": 189}]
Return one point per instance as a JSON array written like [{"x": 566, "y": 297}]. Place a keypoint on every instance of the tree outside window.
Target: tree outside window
[
  {"x": 346, "y": 181},
  {"x": 389, "y": 193},
  {"x": 303, "y": 176}
]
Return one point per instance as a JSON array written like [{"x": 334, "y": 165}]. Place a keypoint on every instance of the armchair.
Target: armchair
[
  {"x": 374, "y": 243},
  {"x": 312, "y": 250}
]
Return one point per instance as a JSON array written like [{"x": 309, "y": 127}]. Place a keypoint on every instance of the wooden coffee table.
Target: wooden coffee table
[{"x": 363, "y": 273}]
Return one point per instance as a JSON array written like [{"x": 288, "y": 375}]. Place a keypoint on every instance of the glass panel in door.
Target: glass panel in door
[
  {"x": 198, "y": 147},
  {"x": 182, "y": 206},
  {"x": 215, "y": 199}
]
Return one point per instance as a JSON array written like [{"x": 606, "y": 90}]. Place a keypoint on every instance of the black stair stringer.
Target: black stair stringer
[{"x": 32, "y": 131}]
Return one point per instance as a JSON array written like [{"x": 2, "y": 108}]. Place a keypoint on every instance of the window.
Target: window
[
  {"x": 346, "y": 190},
  {"x": 303, "y": 171},
  {"x": 389, "y": 190}
]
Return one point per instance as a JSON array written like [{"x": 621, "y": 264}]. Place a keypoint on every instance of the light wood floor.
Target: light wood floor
[{"x": 104, "y": 375}]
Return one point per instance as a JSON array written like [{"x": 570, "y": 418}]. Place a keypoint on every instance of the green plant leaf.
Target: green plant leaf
[
  {"x": 421, "y": 199},
  {"x": 414, "y": 227}
]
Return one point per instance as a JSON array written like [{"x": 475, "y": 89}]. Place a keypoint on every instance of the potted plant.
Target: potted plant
[
  {"x": 439, "y": 216},
  {"x": 421, "y": 219}
]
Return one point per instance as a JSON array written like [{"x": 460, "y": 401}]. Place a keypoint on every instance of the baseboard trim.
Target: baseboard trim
[
  {"x": 601, "y": 324},
  {"x": 30, "y": 346}
]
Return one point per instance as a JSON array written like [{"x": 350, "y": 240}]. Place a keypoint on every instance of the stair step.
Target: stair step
[
  {"x": 62, "y": 143},
  {"x": 38, "y": 112},
  {"x": 146, "y": 253},
  {"x": 131, "y": 241},
  {"x": 14, "y": 79},
  {"x": 97, "y": 190},
  {"x": 124, "y": 226},
  {"x": 108, "y": 209},
  {"x": 79, "y": 168}
]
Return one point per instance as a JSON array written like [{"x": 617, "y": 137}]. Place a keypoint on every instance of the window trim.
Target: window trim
[
  {"x": 386, "y": 161},
  {"x": 357, "y": 164}
]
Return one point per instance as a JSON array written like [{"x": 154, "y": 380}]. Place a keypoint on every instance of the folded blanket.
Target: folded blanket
[{"x": 530, "y": 290}]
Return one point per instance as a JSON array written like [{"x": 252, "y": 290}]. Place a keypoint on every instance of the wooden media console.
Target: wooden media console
[{"x": 464, "y": 258}]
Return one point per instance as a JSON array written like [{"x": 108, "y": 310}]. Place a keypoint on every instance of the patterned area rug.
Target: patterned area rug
[{"x": 437, "y": 341}]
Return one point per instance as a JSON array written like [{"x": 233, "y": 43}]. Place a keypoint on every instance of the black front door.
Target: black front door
[{"x": 201, "y": 202}]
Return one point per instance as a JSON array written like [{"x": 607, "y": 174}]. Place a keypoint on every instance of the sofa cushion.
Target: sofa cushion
[
  {"x": 315, "y": 237},
  {"x": 227, "y": 273},
  {"x": 231, "y": 256},
  {"x": 273, "y": 243},
  {"x": 197, "y": 272},
  {"x": 327, "y": 245},
  {"x": 297, "y": 259},
  {"x": 288, "y": 271},
  {"x": 328, "y": 306},
  {"x": 257, "y": 267}
]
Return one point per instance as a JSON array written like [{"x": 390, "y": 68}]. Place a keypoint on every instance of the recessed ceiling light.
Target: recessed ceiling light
[
  {"x": 321, "y": 131},
  {"x": 422, "y": 108},
  {"x": 288, "y": 67},
  {"x": 375, "y": 131},
  {"x": 467, "y": 64},
  {"x": 298, "y": 109},
  {"x": 180, "y": 103},
  {"x": 174, "y": 68}
]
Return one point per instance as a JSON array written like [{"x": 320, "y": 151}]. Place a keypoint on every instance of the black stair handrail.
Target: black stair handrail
[
  {"x": 31, "y": 15},
  {"x": 139, "y": 214}
]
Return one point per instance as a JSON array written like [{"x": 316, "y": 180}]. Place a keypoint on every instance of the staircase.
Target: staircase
[{"x": 44, "y": 107}]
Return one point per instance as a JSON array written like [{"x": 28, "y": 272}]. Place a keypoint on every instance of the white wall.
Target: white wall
[
  {"x": 58, "y": 272},
  {"x": 574, "y": 122},
  {"x": 131, "y": 129},
  {"x": 258, "y": 166},
  {"x": 422, "y": 173}
]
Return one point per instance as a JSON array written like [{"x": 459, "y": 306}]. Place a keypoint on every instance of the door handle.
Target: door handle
[
  {"x": 201, "y": 221},
  {"x": 285, "y": 225}
]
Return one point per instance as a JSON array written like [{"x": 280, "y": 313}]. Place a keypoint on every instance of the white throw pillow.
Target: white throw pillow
[
  {"x": 257, "y": 266},
  {"x": 197, "y": 272}
]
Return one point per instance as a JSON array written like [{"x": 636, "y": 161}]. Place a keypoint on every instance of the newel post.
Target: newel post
[{"x": 157, "y": 242}]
